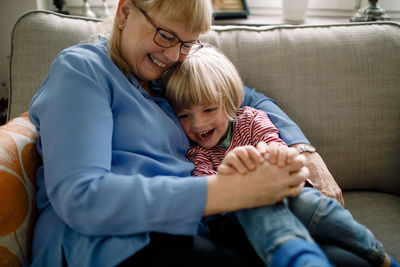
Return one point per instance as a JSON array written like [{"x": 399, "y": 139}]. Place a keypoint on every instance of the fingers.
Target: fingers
[
  {"x": 242, "y": 159},
  {"x": 296, "y": 190},
  {"x": 281, "y": 155},
  {"x": 254, "y": 155},
  {"x": 225, "y": 169},
  {"x": 292, "y": 153},
  {"x": 262, "y": 147},
  {"x": 339, "y": 197},
  {"x": 336, "y": 194},
  {"x": 273, "y": 153},
  {"x": 299, "y": 177},
  {"x": 268, "y": 184},
  {"x": 298, "y": 162},
  {"x": 298, "y": 182}
]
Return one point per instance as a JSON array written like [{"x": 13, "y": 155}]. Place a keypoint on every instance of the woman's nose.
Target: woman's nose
[{"x": 173, "y": 53}]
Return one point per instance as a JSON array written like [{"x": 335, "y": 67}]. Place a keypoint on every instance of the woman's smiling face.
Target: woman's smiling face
[
  {"x": 205, "y": 125},
  {"x": 146, "y": 59}
]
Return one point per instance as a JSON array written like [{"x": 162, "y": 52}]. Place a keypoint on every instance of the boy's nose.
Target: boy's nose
[{"x": 198, "y": 123}]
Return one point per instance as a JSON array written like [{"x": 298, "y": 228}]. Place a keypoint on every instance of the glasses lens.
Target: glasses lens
[
  {"x": 165, "y": 39},
  {"x": 189, "y": 48}
]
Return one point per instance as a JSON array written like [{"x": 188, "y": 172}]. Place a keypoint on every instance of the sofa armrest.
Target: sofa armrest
[{"x": 18, "y": 164}]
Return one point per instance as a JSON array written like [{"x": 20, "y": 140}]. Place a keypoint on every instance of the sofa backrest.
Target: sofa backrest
[
  {"x": 38, "y": 36},
  {"x": 339, "y": 83}
]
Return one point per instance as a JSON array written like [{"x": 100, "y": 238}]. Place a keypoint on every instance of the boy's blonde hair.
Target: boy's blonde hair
[
  {"x": 205, "y": 77},
  {"x": 196, "y": 15}
]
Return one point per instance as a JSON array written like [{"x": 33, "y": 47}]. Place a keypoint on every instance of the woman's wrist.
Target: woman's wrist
[
  {"x": 213, "y": 202},
  {"x": 302, "y": 147},
  {"x": 219, "y": 194}
]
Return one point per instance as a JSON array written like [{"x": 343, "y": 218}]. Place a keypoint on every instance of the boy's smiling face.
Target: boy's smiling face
[{"x": 205, "y": 125}]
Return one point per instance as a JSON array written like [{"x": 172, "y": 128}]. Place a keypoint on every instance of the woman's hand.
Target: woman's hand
[
  {"x": 320, "y": 176},
  {"x": 245, "y": 158},
  {"x": 265, "y": 185},
  {"x": 241, "y": 159},
  {"x": 277, "y": 153}
]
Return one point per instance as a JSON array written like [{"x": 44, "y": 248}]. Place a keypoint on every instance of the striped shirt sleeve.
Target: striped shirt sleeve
[
  {"x": 202, "y": 160},
  {"x": 253, "y": 126}
]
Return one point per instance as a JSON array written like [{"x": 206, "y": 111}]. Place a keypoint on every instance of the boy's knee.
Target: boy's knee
[
  {"x": 309, "y": 197},
  {"x": 305, "y": 204}
]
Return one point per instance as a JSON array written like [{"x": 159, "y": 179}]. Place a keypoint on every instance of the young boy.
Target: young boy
[{"x": 206, "y": 91}]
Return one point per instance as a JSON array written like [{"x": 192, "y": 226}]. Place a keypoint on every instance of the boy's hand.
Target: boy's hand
[
  {"x": 241, "y": 159},
  {"x": 278, "y": 154}
]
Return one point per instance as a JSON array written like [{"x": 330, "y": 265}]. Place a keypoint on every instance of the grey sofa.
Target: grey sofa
[{"x": 340, "y": 83}]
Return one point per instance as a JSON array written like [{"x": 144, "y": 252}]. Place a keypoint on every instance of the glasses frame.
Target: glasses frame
[{"x": 198, "y": 43}]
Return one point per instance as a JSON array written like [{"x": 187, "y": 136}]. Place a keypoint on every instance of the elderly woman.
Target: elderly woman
[{"x": 115, "y": 187}]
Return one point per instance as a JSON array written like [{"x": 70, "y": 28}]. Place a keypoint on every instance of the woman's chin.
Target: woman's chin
[{"x": 153, "y": 75}]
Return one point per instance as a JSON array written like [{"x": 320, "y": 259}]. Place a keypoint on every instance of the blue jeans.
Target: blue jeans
[{"x": 308, "y": 216}]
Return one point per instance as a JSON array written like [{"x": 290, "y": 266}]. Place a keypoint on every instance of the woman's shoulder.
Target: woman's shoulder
[
  {"x": 89, "y": 59},
  {"x": 89, "y": 53}
]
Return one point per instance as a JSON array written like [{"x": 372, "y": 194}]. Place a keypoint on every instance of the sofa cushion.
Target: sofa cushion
[
  {"x": 380, "y": 212},
  {"x": 339, "y": 83},
  {"x": 38, "y": 36},
  {"x": 18, "y": 164}
]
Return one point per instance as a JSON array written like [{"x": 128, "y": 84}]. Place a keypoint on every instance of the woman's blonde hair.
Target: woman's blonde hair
[
  {"x": 204, "y": 77},
  {"x": 196, "y": 15}
]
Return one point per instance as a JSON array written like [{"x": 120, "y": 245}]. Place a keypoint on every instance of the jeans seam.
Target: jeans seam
[
  {"x": 315, "y": 218},
  {"x": 376, "y": 256}
]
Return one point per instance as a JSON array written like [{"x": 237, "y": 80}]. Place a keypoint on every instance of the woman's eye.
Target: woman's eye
[
  {"x": 188, "y": 45},
  {"x": 167, "y": 36}
]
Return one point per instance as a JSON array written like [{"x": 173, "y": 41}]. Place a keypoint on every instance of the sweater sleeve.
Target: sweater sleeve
[
  {"x": 75, "y": 118},
  {"x": 288, "y": 129}
]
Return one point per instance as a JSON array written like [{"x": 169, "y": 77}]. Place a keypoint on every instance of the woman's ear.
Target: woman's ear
[{"x": 122, "y": 13}]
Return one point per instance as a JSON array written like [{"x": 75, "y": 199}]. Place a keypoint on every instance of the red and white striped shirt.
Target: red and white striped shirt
[{"x": 250, "y": 127}]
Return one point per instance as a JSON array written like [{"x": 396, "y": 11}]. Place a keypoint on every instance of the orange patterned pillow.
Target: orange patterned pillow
[{"x": 18, "y": 164}]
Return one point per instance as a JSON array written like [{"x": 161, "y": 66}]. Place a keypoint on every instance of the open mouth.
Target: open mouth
[
  {"x": 206, "y": 134},
  {"x": 156, "y": 61}
]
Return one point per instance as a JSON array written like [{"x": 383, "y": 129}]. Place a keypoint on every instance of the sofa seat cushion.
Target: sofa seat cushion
[
  {"x": 18, "y": 164},
  {"x": 379, "y": 212}
]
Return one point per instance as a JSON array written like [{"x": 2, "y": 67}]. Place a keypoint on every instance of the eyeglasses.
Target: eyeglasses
[{"x": 166, "y": 39}]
